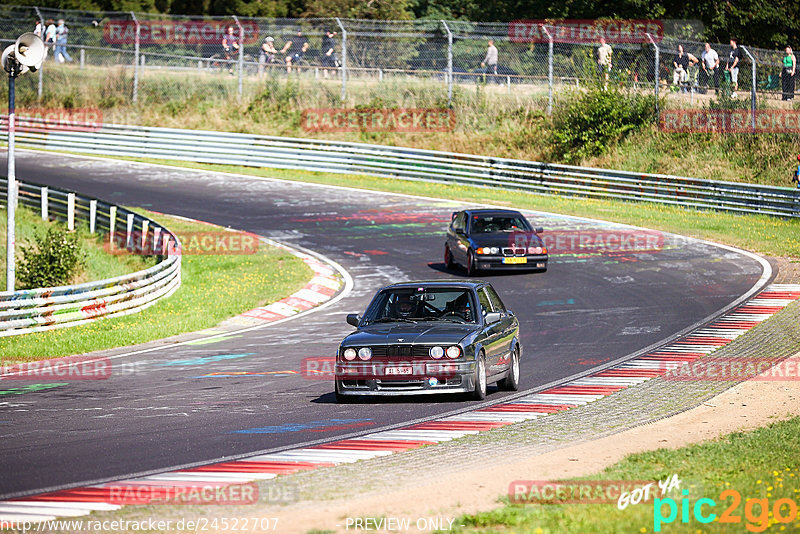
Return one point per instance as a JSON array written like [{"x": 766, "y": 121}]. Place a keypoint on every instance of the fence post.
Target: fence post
[
  {"x": 70, "y": 211},
  {"x": 549, "y": 70},
  {"x": 449, "y": 75},
  {"x": 656, "y": 69},
  {"x": 752, "y": 90},
  {"x": 83, "y": 57},
  {"x": 92, "y": 216},
  {"x": 129, "y": 232},
  {"x": 136, "y": 58},
  {"x": 112, "y": 223},
  {"x": 241, "y": 52},
  {"x": 344, "y": 59},
  {"x": 44, "y": 203},
  {"x": 41, "y": 79}
]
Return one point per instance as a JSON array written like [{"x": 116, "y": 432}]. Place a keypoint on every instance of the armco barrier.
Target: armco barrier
[
  {"x": 409, "y": 164},
  {"x": 37, "y": 310}
]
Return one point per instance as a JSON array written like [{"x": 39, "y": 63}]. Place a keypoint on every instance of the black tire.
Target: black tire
[
  {"x": 448, "y": 258},
  {"x": 472, "y": 269},
  {"x": 511, "y": 382},
  {"x": 479, "y": 393},
  {"x": 342, "y": 399}
]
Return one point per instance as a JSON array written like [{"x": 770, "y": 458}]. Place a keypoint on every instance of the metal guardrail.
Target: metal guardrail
[
  {"x": 409, "y": 164},
  {"x": 37, "y": 310}
]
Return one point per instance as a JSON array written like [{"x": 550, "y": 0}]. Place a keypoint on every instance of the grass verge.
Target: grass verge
[
  {"x": 213, "y": 288},
  {"x": 99, "y": 263},
  {"x": 760, "y": 464},
  {"x": 762, "y": 234}
]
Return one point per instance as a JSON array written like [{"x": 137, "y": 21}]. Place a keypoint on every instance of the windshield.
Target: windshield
[
  {"x": 422, "y": 304},
  {"x": 496, "y": 224}
]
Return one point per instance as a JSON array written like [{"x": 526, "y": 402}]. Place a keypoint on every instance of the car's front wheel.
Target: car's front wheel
[
  {"x": 472, "y": 268},
  {"x": 479, "y": 392},
  {"x": 448, "y": 258},
  {"x": 342, "y": 399},
  {"x": 511, "y": 382}
]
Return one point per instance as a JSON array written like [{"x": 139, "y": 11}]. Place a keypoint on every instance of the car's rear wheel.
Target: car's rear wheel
[
  {"x": 479, "y": 393},
  {"x": 448, "y": 258},
  {"x": 511, "y": 382},
  {"x": 472, "y": 268}
]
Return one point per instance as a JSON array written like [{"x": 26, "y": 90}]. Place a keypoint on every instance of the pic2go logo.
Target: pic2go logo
[{"x": 756, "y": 511}]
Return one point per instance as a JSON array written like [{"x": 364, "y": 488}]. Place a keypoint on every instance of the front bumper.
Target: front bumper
[
  {"x": 532, "y": 262},
  {"x": 427, "y": 377}
]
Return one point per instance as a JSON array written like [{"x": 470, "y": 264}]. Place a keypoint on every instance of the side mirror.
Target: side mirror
[
  {"x": 538, "y": 230},
  {"x": 353, "y": 319},
  {"x": 509, "y": 312},
  {"x": 492, "y": 317}
]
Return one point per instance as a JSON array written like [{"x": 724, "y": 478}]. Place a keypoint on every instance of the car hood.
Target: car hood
[
  {"x": 397, "y": 333},
  {"x": 507, "y": 239}
]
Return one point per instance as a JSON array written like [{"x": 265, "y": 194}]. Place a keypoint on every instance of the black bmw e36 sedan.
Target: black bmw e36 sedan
[
  {"x": 430, "y": 337},
  {"x": 490, "y": 239}
]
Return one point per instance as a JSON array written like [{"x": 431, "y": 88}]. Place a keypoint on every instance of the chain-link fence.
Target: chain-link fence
[{"x": 137, "y": 57}]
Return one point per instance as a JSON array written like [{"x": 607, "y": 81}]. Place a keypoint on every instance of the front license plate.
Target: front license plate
[
  {"x": 515, "y": 260},
  {"x": 398, "y": 370}
]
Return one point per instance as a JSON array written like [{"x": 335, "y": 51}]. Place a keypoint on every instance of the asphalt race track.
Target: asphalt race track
[{"x": 586, "y": 310}]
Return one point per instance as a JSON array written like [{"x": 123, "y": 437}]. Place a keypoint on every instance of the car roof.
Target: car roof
[
  {"x": 439, "y": 283},
  {"x": 489, "y": 212}
]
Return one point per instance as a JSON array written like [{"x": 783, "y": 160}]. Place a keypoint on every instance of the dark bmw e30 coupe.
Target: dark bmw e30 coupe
[
  {"x": 489, "y": 239},
  {"x": 430, "y": 337}
]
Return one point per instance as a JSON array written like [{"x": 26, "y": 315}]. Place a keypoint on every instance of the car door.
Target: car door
[
  {"x": 504, "y": 328},
  {"x": 493, "y": 342},
  {"x": 457, "y": 238}
]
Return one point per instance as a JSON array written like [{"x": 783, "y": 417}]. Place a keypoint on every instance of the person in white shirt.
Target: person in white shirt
[
  {"x": 49, "y": 35},
  {"x": 604, "y": 53},
  {"x": 709, "y": 67},
  {"x": 490, "y": 61}
]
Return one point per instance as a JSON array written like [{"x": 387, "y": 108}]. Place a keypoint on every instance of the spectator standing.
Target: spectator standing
[
  {"x": 61, "y": 54},
  {"x": 267, "y": 53},
  {"x": 489, "y": 63},
  {"x": 788, "y": 74},
  {"x": 230, "y": 44},
  {"x": 328, "y": 50},
  {"x": 38, "y": 28},
  {"x": 296, "y": 46},
  {"x": 709, "y": 67},
  {"x": 735, "y": 57},
  {"x": 604, "y": 53},
  {"x": 49, "y": 36}
]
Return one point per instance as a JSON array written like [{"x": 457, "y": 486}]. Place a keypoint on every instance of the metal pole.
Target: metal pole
[
  {"x": 752, "y": 90},
  {"x": 549, "y": 70},
  {"x": 656, "y": 71},
  {"x": 11, "y": 195},
  {"x": 241, "y": 52},
  {"x": 449, "y": 64},
  {"x": 136, "y": 59},
  {"x": 344, "y": 59},
  {"x": 41, "y": 79}
]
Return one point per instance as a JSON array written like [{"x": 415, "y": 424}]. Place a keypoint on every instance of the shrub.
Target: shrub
[
  {"x": 588, "y": 123},
  {"x": 55, "y": 259}
]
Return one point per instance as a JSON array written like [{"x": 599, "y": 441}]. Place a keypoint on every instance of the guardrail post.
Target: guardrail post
[
  {"x": 344, "y": 59},
  {"x": 145, "y": 225},
  {"x": 549, "y": 69},
  {"x": 112, "y": 223},
  {"x": 70, "y": 211},
  {"x": 752, "y": 89},
  {"x": 241, "y": 52},
  {"x": 129, "y": 234},
  {"x": 136, "y": 58},
  {"x": 656, "y": 69},
  {"x": 156, "y": 237},
  {"x": 449, "y": 75},
  {"x": 41, "y": 74},
  {"x": 45, "y": 191},
  {"x": 92, "y": 216}
]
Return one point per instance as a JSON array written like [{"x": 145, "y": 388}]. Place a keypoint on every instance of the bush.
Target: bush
[
  {"x": 54, "y": 260},
  {"x": 588, "y": 123}
]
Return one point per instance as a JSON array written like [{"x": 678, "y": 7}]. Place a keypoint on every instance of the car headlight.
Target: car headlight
[
  {"x": 488, "y": 250},
  {"x": 436, "y": 352},
  {"x": 453, "y": 352},
  {"x": 349, "y": 354},
  {"x": 365, "y": 353},
  {"x": 534, "y": 250}
]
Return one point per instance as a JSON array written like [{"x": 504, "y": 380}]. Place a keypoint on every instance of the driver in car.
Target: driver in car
[{"x": 403, "y": 307}]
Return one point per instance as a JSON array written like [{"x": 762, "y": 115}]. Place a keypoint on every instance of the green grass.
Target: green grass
[
  {"x": 213, "y": 288},
  {"x": 766, "y": 235},
  {"x": 99, "y": 264},
  {"x": 763, "y": 464}
]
